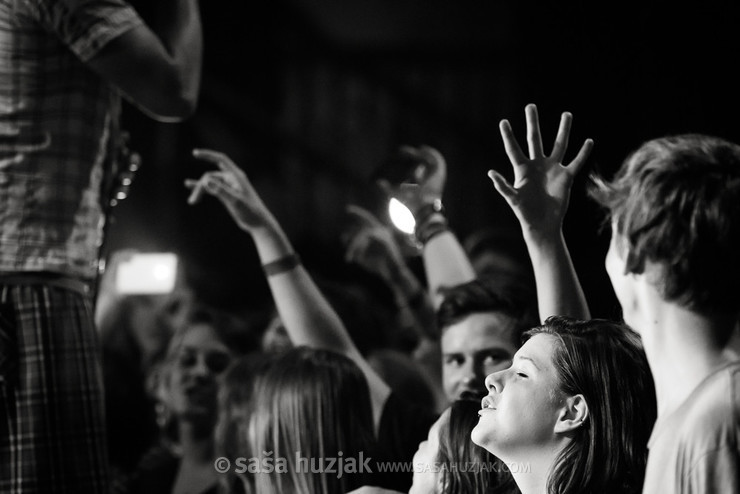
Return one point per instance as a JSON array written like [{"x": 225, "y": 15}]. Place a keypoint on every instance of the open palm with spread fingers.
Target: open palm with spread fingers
[{"x": 541, "y": 189}]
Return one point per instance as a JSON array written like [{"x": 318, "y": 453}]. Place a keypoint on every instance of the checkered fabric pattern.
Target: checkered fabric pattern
[
  {"x": 59, "y": 131},
  {"x": 58, "y": 141},
  {"x": 52, "y": 436}
]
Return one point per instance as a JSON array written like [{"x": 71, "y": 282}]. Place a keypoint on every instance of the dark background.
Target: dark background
[{"x": 309, "y": 97}]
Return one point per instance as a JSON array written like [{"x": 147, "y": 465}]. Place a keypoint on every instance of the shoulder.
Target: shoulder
[
  {"x": 714, "y": 407},
  {"x": 709, "y": 421}
]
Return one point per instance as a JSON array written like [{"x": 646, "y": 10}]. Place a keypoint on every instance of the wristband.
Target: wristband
[
  {"x": 282, "y": 265},
  {"x": 425, "y": 232}
]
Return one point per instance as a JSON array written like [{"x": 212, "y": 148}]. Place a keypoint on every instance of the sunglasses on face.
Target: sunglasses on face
[{"x": 216, "y": 361}]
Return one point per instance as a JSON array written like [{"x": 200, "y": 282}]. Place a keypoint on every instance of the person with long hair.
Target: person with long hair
[
  {"x": 185, "y": 385},
  {"x": 448, "y": 462},
  {"x": 309, "y": 318},
  {"x": 574, "y": 412},
  {"x": 311, "y": 411},
  {"x": 458, "y": 466}
]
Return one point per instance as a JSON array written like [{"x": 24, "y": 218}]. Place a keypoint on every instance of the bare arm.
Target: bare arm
[
  {"x": 307, "y": 315},
  {"x": 445, "y": 261},
  {"x": 539, "y": 198},
  {"x": 158, "y": 68},
  {"x": 371, "y": 245}
]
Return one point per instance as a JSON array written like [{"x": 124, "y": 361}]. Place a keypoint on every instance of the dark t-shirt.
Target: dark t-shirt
[
  {"x": 155, "y": 474},
  {"x": 403, "y": 425}
]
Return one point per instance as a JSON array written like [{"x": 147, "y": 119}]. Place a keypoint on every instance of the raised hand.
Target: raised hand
[
  {"x": 541, "y": 189},
  {"x": 372, "y": 245},
  {"x": 231, "y": 186},
  {"x": 426, "y": 181}
]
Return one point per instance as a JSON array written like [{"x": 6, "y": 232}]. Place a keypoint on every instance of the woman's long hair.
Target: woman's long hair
[
  {"x": 312, "y": 407},
  {"x": 604, "y": 361},
  {"x": 466, "y": 467},
  {"x": 235, "y": 403}
]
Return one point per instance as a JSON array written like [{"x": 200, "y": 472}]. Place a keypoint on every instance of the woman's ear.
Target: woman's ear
[{"x": 573, "y": 414}]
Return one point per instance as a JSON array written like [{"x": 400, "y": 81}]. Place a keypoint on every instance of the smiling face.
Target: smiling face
[
  {"x": 474, "y": 347},
  {"x": 199, "y": 360},
  {"x": 519, "y": 413},
  {"x": 426, "y": 476}
]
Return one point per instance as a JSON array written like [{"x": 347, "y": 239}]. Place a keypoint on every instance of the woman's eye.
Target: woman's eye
[{"x": 521, "y": 374}]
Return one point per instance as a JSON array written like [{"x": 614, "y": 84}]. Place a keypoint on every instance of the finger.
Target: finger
[
  {"x": 408, "y": 150},
  {"x": 431, "y": 155},
  {"x": 513, "y": 151},
  {"x": 355, "y": 247},
  {"x": 561, "y": 141},
  {"x": 362, "y": 214},
  {"x": 406, "y": 193},
  {"x": 503, "y": 187},
  {"x": 534, "y": 137},
  {"x": 196, "y": 193},
  {"x": 581, "y": 158},
  {"x": 209, "y": 155},
  {"x": 219, "y": 159},
  {"x": 191, "y": 183},
  {"x": 386, "y": 187},
  {"x": 434, "y": 159}
]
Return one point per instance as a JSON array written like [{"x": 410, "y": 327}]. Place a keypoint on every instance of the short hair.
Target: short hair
[
  {"x": 604, "y": 361},
  {"x": 317, "y": 403},
  {"x": 466, "y": 467},
  {"x": 486, "y": 295},
  {"x": 675, "y": 202}
]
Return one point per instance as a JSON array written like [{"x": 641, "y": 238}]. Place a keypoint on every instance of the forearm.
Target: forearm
[
  {"x": 306, "y": 314},
  {"x": 446, "y": 264},
  {"x": 558, "y": 289}
]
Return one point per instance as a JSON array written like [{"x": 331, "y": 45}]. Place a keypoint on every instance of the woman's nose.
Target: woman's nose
[{"x": 494, "y": 381}]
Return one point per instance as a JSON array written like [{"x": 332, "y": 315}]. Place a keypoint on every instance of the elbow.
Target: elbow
[
  {"x": 176, "y": 98},
  {"x": 179, "y": 109},
  {"x": 176, "y": 104},
  {"x": 172, "y": 108}
]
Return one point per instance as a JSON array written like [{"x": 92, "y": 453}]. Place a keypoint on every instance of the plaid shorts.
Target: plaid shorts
[{"x": 52, "y": 435}]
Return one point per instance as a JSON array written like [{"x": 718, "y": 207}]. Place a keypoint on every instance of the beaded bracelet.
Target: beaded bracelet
[{"x": 282, "y": 265}]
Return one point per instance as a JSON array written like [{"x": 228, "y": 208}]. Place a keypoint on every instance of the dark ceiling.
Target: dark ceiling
[{"x": 310, "y": 96}]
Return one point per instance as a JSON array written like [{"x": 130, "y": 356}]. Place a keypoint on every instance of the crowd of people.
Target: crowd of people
[{"x": 489, "y": 373}]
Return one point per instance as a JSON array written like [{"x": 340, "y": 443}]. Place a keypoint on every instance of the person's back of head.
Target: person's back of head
[
  {"x": 675, "y": 208},
  {"x": 311, "y": 406},
  {"x": 604, "y": 361}
]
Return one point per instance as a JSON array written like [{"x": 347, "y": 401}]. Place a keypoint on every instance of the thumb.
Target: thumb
[{"x": 502, "y": 186}]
